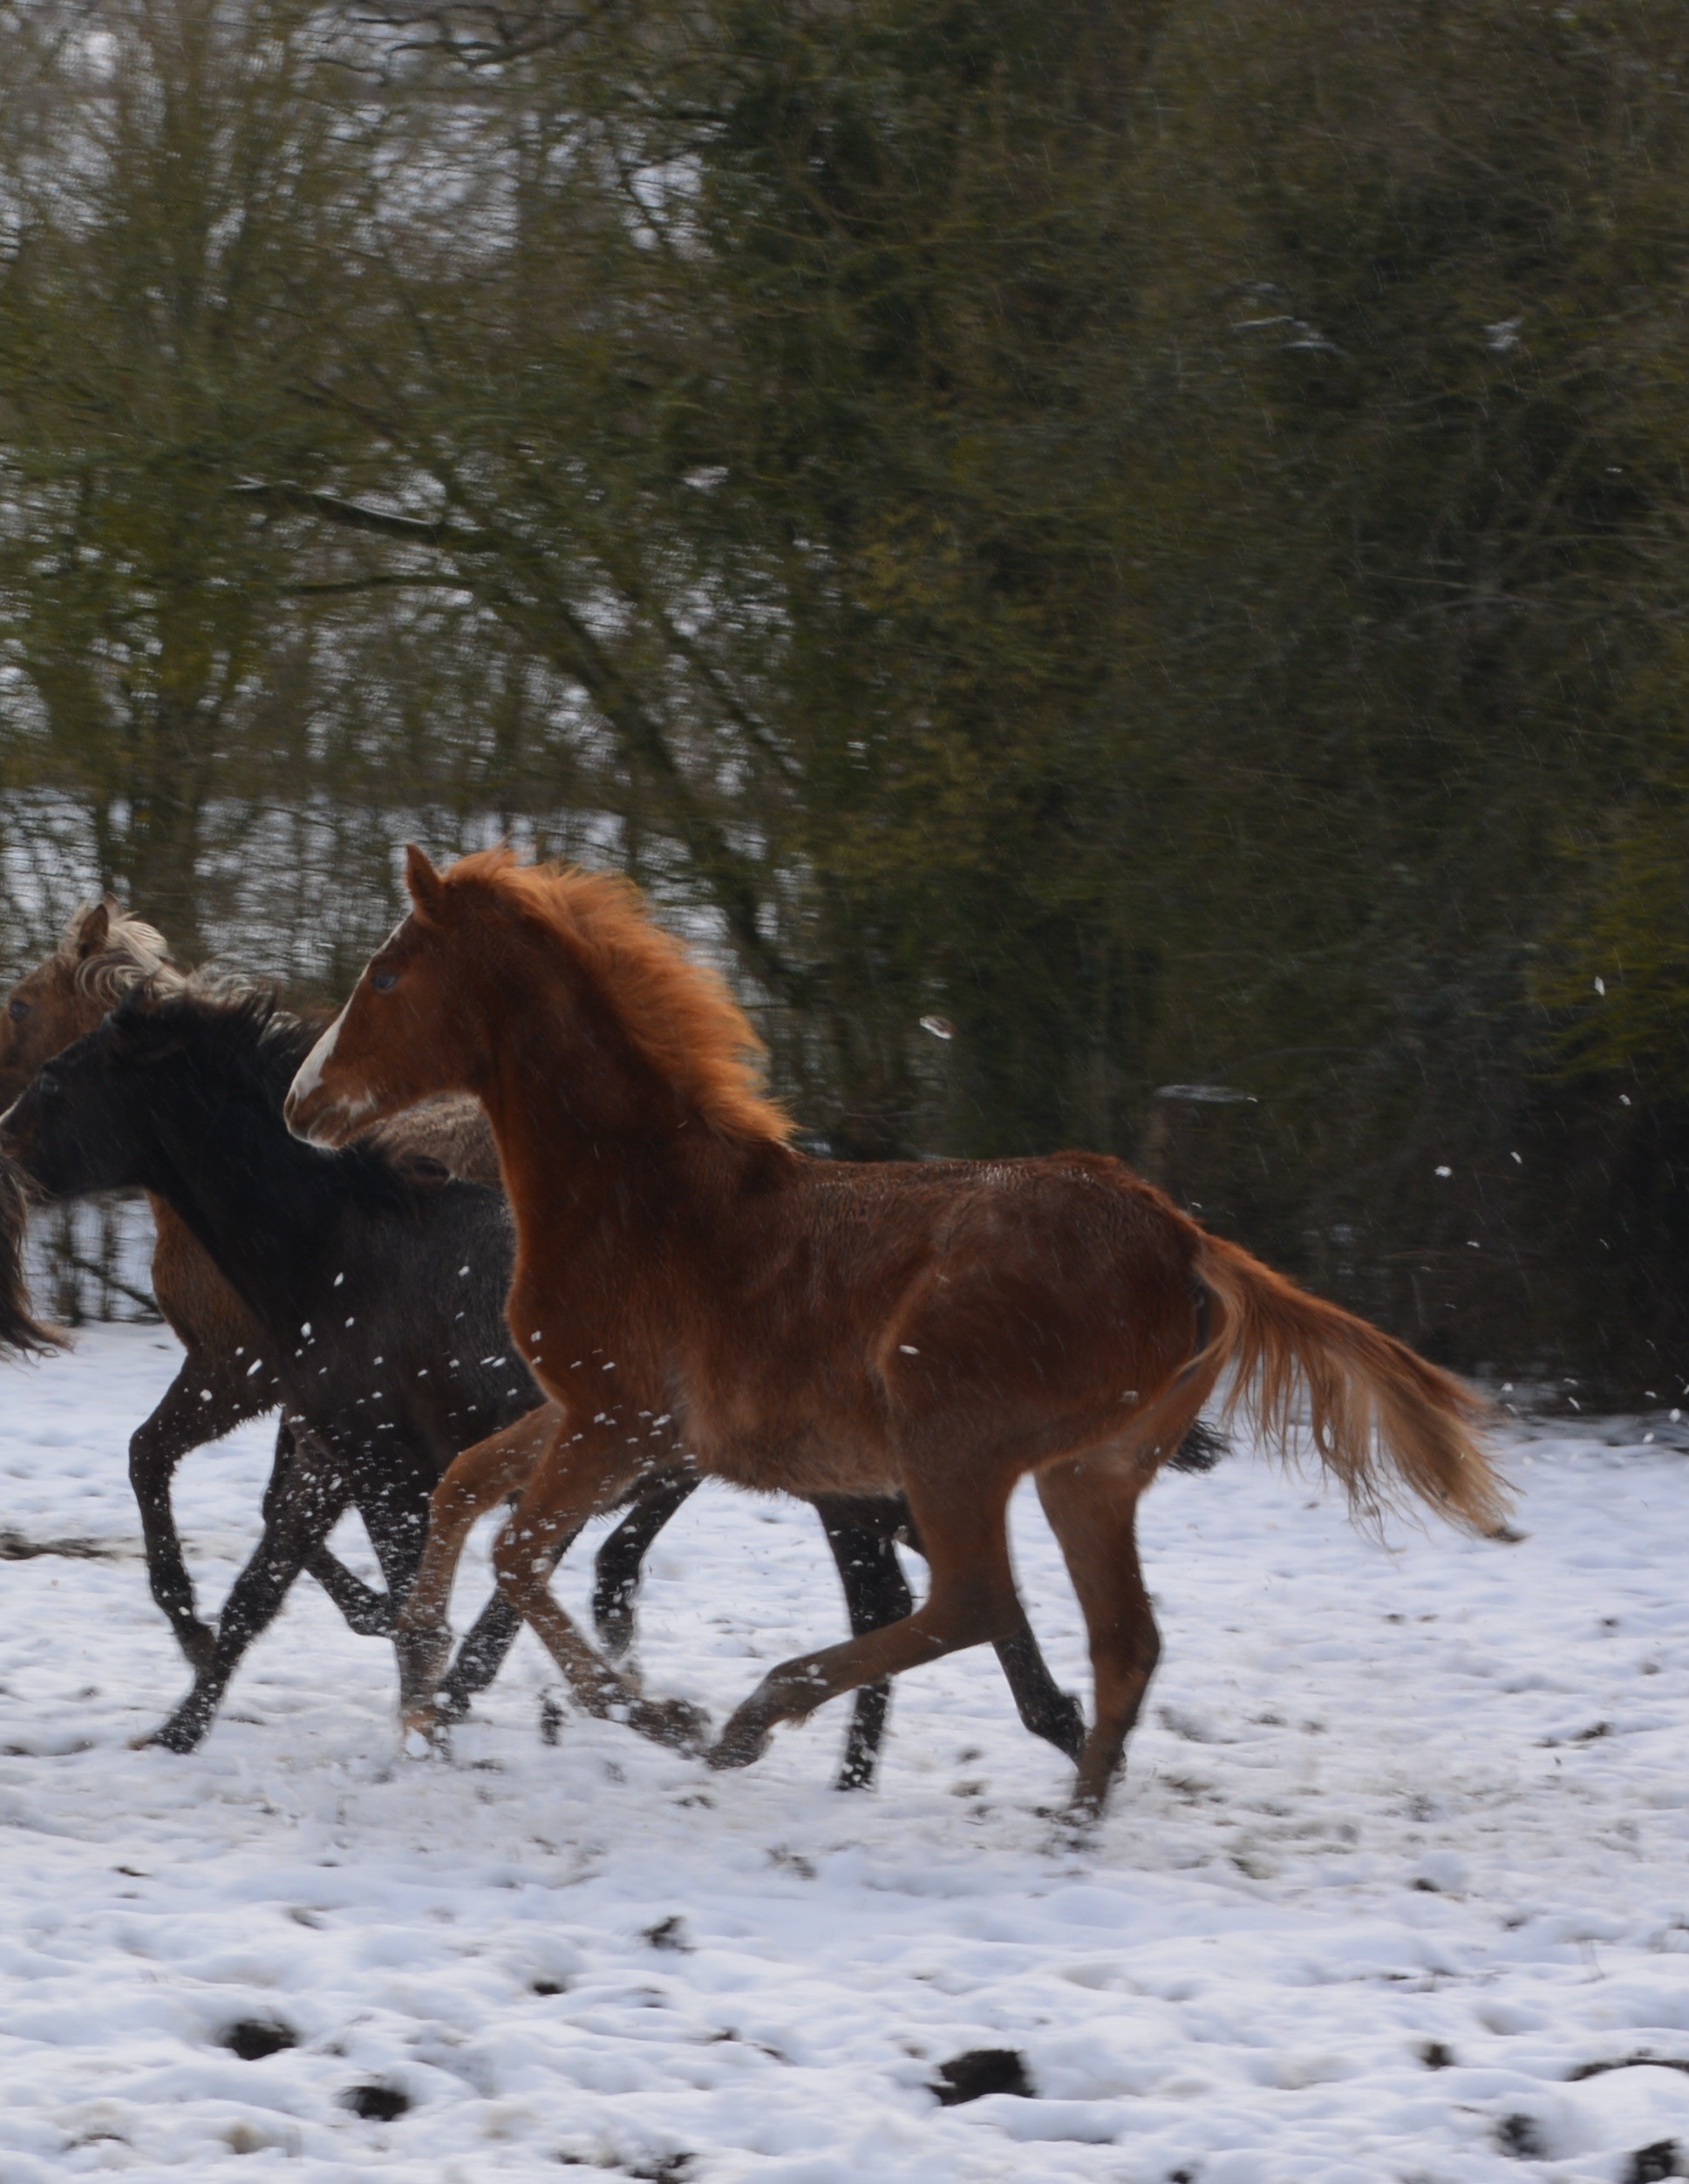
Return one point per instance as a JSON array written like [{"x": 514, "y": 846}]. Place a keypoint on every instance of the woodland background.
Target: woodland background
[{"x": 1153, "y": 533}]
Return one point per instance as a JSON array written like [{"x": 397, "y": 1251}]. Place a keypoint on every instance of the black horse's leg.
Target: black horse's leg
[
  {"x": 367, "y": 1612},
  {"x": 862, "y": 1535},
  {"x": 616, "y": 1572},
  {"x": 313, "y": 1494},
  {"x": 1043, "y": 1707},
  {"x": 208, "y": 1396}
]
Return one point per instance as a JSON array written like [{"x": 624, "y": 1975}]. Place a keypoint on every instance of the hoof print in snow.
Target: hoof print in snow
[
  {"x": 1436, "y": 2057},
  {"x": 979, "y": 2070},
  {"x": 376, "y": 2104},
  {"x": 665, "y": 2169},
  {"x": 253, "y": 2038},
  {"x": 669, "y": 1933},
  {"x": 1519, "y": 2136},
  {"x": 1649, "y": 2164},
  {"x": 545, "y": 1986},
  {"x": 551, "y": 1719}
]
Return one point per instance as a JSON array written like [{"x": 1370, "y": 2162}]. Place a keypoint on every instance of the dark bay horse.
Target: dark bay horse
[{"x": 687, "y": 1283}]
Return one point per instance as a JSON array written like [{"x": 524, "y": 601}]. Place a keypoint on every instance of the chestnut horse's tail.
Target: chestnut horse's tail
[
  {"x": 19, "y": 1329},
  {"x": 1377, "y": 1415}
]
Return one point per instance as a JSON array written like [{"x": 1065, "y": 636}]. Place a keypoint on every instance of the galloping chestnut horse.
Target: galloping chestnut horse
[{"x": 687, "y": 1281}]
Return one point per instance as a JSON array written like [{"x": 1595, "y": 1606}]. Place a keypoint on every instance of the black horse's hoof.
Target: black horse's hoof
[{"x": 183, "y": 1732}]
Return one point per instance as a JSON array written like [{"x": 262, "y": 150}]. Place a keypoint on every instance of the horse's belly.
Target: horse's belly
[{"x": 802, "y": 1461}]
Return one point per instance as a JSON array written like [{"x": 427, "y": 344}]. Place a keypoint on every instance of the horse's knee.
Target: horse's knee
[{"x": 522, "y": 1563}]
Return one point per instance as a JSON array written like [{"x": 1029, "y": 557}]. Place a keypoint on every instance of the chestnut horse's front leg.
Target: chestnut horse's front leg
[
  {"x": 577, "y": 1477},
  {"x": 473, "y": 1482}
]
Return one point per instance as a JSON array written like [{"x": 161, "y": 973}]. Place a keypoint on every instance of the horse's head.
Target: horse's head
[
  {"x": 71, "y": 1130},
  {"x": 407, "y": 1032},
  {"x": 51, "y": 1005}
]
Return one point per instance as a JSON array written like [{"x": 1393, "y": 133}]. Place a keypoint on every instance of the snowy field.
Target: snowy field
[{"x": 1396, "y": 1888}]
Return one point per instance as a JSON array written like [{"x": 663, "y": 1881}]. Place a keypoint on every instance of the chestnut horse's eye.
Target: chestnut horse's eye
[
  {"x": 19, "y": 1009},
  {"x": 384, "y": 981}
]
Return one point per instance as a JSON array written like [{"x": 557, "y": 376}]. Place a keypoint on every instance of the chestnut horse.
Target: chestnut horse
[{"x": 687, "y": 1283}]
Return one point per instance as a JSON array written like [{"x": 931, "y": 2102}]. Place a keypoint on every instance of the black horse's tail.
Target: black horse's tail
[{"x": 21, "y": 1333}]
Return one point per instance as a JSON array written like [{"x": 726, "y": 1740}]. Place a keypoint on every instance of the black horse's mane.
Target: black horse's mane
[{"x": 238, "y": 1035}]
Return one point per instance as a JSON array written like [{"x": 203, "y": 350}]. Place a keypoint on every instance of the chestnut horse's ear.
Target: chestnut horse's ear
[
  {"x": 93, "y": 928},
  {"x": 427, "y": 889}
]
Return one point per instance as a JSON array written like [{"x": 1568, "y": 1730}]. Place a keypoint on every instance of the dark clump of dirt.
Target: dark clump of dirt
[
  {"x": 1649, "y": 2164},
  {"x": 1519, "y": 2136},
  {"x": 980, "y": 2070},
  {"x": 669, "y": 1933},
  {"x": 376, "y": 2104},
  {"x": 1436, "y": 2057},
  {"x": 665, "y": 2169},
  {"x": 16, "y": 1547},
  {"x": 1627, "y": 2062},
  {"x": 545, "y": 1987},
  {"x": 253, "y": 2038}
]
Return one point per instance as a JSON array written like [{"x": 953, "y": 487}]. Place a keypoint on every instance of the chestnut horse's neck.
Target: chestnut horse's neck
[{"x": 593, "y": 1140}]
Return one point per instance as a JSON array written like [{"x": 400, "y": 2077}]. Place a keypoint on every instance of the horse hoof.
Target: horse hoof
[
  {"x": 180, "y": 1734},
  {"x": 675, "y": 1722},
  {"x": 738, "y": 1750},
  {"x": 421, "y": 1733}
]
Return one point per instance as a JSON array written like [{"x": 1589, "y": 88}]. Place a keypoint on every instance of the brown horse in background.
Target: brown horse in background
[
  {"x": 688, "y": 1283},
  {"x": 21, "y": 1333},
  {"x": 226, "y": 1376}
]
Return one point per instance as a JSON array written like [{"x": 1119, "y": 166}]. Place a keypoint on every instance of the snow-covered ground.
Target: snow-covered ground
[{"x": 1401, "y": 1855}]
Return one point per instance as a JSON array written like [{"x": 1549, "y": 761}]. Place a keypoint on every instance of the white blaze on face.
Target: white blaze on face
[{"x": 311, "y": 1070}]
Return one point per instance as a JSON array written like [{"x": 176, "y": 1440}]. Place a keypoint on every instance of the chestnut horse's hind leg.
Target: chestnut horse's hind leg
[
  {"x": 1045, "y": 1709},
  {"x": 1092, "y": 1504},
  {"x": 972, "y": 1602}
]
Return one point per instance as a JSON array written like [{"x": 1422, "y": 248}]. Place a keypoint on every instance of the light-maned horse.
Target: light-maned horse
[
  {"x": 227, "y": 1375},
  {"x": 686, "y": 1281}
]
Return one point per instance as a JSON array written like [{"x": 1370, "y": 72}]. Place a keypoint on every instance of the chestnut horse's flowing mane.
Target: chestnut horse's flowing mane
[
  {"x": 676, "y": 1012},
  {"x": 132, "y": 954}
]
